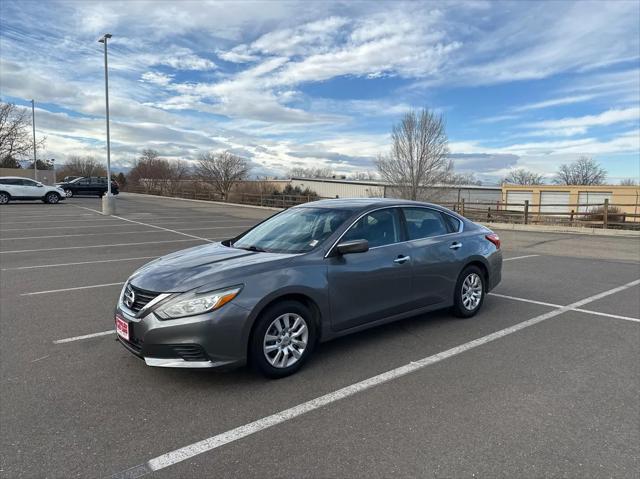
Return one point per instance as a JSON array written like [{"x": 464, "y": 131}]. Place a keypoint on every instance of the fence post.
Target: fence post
[
  {"x": 605, "y": 214},
  {"x": 526, "y": 212},
  {"x": 488, "y": 213},
  {"x": 571, "y": 216},
  {"x": 462, "y": 207}
]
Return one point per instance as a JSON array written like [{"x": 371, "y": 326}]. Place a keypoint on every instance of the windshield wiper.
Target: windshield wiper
[{"x": 251, "y": 248}]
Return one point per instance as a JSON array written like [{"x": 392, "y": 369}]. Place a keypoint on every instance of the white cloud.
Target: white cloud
[
  {"x": 580, "y": 124},
  {"x": 156, "y": 78},
  {"x": 568, "y": 100}
]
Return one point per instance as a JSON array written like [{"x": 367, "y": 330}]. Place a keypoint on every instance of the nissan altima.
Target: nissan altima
[{"x": 305, "y": 275}]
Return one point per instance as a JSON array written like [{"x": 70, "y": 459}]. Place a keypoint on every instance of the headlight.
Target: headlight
[{"x": 197, "y": 303}]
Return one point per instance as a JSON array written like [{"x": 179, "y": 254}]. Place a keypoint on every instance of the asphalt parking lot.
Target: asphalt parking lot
[{"x": 544, "y": 382}]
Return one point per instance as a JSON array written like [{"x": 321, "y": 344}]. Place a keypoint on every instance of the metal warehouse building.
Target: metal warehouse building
[{"x": 334, "y": 188}]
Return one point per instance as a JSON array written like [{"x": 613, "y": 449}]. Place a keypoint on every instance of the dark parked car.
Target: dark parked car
[
  {"x": 88, "y": 185},
  {"x": 310, "y": 273}
]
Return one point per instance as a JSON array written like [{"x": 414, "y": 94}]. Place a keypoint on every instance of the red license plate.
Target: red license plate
[{"x": 122, "y": 328}]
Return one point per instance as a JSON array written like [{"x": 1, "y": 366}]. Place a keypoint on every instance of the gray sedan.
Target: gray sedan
[{"x": 307, "y": 274}]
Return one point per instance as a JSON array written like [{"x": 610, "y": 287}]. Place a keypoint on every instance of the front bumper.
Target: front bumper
[{"x": 212, "y": 340}]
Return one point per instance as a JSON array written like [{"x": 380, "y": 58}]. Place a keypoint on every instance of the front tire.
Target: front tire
[
  {"x": 283, "y": 339},
  {"x": 4, "y": 198},
  {"x": 52, "y": 198},
  {"x": 68, "y": 193},
  {"x": 469, "y": 292}
]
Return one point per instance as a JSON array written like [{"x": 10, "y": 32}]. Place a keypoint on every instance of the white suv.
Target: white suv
[{"x": 17, "y": 188}]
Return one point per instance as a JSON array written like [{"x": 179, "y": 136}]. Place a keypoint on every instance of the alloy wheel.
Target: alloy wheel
[
  {"x": 285, "y": 340},
  {"x": 69, "y": 193},
  {"x": 52, "y": 198},
  {"x": 472, "y": 291},
  {"x": 4, "y": 198}
]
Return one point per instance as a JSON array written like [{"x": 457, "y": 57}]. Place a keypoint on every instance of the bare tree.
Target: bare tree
[
  {"x": 320, "y": 172},
  {"x": 459, "y": 179},
  {"x": 158, "y": 174},
  {"x": 628, "y": 182},
  {"x": 221, "y": 170},
  {"x": 364, "y": 176},
  {"x": 81, "y": 166},
  {"x": 521, "y": 176},
  {"x": 15, "y": 132},
  {"x": 418, "y": 156},
  {"x": 583, "y": 171}
]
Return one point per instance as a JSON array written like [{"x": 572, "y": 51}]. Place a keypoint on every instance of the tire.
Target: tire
[
  {"x": 52, "y": 198},
  {"x": 4, "y": 198},
  {"x": 469, "y": 293},
  {"x": 68, "y": 193},
  {"x": 273, "y": 352}
]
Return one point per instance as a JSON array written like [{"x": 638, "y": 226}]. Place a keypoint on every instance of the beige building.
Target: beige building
[{"x": 567, "y": 198}]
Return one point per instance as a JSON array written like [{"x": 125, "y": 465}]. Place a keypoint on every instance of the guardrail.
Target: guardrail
[{"x": 254, "y": 199}]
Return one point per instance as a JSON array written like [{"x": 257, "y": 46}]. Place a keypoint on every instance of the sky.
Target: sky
[{"x": 523, "y": 84}]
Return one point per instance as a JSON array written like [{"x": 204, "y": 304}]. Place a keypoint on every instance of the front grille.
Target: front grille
[
  {"x": 190, "y": 352},
  {"x": 140, "y": 297}
]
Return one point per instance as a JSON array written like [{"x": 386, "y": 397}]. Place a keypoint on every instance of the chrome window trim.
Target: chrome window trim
[{"x": 460, "y": 230}]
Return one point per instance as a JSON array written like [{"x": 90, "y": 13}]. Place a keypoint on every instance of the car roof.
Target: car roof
[
  {"x": 360, "y": 204},
  {"x": 16, "y": 178}
]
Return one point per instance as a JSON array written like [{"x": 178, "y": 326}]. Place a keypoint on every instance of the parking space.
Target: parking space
[{"x": 543, "y": 382}]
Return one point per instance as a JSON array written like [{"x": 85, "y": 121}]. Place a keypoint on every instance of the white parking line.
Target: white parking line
[
  {"x": 153, "y": 226},
  {"x": 551, "y": 305},
  {"x": 521, "y": 257},
  {"x": 111, "y": 225},
  {"x": 173, "y": 457},
  {"x": 72, "y": 289},
  {"x": 74, "y": 264},
  {"x": 85, "y": 336},
  {"x": 102, "y": 245}
]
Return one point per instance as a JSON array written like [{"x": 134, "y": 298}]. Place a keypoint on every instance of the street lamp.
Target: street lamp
[
  {"x": 108, "y": 203},
  {"x": 33, "y": 124}
]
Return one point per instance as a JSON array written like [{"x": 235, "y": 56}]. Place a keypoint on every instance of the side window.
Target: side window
[
  {"x": 84, "y": 181},
  {"x": 424, "y": 222},
  {"x": 453, "y": 223},
  {"x": 28, "y": 183},
  {"x": 379, "y": 228}
]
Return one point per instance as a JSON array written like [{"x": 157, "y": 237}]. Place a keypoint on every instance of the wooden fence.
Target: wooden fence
[{"x": 592, "y": 215}]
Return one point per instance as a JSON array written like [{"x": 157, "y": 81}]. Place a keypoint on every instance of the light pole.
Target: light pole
[
  {"x": 52, "y": 161},
  {"x": 33, "y": 124},
  {"x": 108, "y": 203}
]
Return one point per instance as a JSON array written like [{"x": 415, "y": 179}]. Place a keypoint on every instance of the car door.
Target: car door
[
  {"x": 13, "y": 186},
  {"x": 437, "y": 252},
  {"x": 82, "y": 186},
  {"x": 31, "y": 189},
  {"x": 376, "y": 284}
]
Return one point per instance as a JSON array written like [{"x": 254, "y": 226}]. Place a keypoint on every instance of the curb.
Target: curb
[
  {"x": 563, "y": 229},
  {"x": 222, "y": 203}
]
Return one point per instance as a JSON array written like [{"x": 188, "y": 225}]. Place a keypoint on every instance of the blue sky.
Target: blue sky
[{"x": 286, "y": 84}]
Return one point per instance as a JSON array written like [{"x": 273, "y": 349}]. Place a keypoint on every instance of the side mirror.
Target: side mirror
[
  {"x": 353, "y": 246},
  {"x": 40, "y": 185}
]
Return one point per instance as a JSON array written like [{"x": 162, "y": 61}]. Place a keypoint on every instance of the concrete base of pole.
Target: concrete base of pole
[{"x": 108, "y": 205}]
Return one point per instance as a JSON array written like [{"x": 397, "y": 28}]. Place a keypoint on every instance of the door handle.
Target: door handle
[
  {"x": 456, "y": 245},
  {"x": 401, "y": 259}
]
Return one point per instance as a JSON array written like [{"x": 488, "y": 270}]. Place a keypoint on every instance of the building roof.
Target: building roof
[{"x": 383, "y": 183}]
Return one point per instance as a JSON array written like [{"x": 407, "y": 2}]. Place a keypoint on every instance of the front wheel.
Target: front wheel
[
  {"x": 68, "y": 193},
  {"x": 52, "y": 198},
  {"x": 283, "y": 339},
  {"x": 469, "y": 293}
]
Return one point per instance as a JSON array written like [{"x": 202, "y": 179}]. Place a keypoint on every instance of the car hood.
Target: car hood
[{"x": 206, "y": 267}]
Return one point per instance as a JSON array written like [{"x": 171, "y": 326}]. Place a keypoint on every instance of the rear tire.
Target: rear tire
[
  {"x": 4, "y": 198},
  {"x": 283, "y": 339},
  {"x": 52, "y": 198},
  {"x": 469, "y": 293}
]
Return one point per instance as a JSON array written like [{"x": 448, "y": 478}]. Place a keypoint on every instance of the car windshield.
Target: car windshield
[{"x": 296, "y": 230}]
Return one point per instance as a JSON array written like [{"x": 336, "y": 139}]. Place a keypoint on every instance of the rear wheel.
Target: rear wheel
[
  {"x": 52, "y": 198},
  {"x": 469, "y": 293},
  {"x": 283, "y": 339},
  {"x": 4, "y": 198}
]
